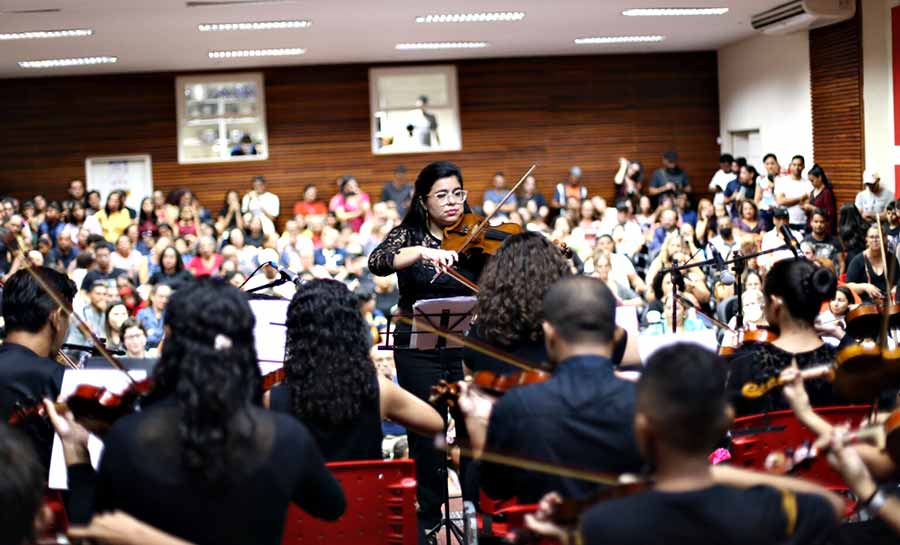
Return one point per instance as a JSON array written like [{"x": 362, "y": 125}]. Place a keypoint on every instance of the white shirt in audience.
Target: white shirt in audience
[{"x": 791, "y": 189}]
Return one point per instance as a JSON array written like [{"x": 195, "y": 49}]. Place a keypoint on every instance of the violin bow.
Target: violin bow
[
  {"x": 454, "y": 274},
  {"x": 484, "y": 222},
  {"x": 79, "y": 321}
]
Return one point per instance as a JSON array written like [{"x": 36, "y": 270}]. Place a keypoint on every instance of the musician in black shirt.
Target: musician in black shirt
[
  {"x": 36, "y": 328},
  {"x": 202, "y": 461},
  {"x": 682, "y": 412},
  {"x": 413, "y": 251}
]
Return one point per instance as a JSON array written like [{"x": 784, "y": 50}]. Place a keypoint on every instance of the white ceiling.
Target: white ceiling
[{"x": 156, "y": 35}]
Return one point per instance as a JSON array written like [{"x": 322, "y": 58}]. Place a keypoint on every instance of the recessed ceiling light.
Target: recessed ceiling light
[
  {"x": 441, "y": 45},
  {"x": 78, "y": 61},
  {"x": 38, "y": 34},
  {"x": 240, "y": 53},
  {"x": 258, "y": 25},
  {"x": 618, "y": 39},
  {"x": 663, "y": 12},
  {"x": 486, "y": 17}
]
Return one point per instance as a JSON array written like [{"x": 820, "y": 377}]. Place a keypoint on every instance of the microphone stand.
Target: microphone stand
[
  {"x": 277, "y": 282},
  {"x": 677, "y": 279}
]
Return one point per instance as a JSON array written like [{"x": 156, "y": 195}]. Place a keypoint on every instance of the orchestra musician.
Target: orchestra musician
[
  {"x": 331, "y": 384},
  {"x": 682, "y": 412},
  {"x": 36, "y": 329},
  {"x": 794, "y": 291},
  {"x": 203, "y": 462},
  {"x": 581, "y": 417},
  {"x": 413, "y": 251}
]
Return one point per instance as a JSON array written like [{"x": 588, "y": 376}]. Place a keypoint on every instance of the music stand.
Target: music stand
[{"x": 453, "y": 315}]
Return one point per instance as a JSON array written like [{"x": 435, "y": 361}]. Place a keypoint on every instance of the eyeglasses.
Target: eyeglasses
[
  {"x": 135, "y": 336},
  {"x": 443, "y": 197}
]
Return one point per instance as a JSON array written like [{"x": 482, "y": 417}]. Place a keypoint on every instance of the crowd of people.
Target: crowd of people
[{"x": 661, "y": 248}]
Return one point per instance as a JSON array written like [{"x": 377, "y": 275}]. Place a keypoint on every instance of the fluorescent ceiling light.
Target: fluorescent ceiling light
[
  {"x": 79, "y": 61},
  {"x": 38, "y": 34},
  {"x": 618, "y": 39},
  {"x": 663, "y": 12},
  {"x": 259, "y": 25},
  {"x": 240, "y": 53},
  {"x": 486, "y": 17},
  {"x": 441, "y": 45}
]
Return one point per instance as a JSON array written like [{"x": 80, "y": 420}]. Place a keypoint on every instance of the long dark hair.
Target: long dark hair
[
  {"x": 852, "y": 228},
  {"x": 512, "y": 288},
  {"x": 327, "y": 364},
  {"x": 819, "y": 172},
  {"x": 208, "y": 363},
  {"x": 179, "y": 263},
  {"x": 802, "y": 285},
  {"x": 417, "y": 216}
]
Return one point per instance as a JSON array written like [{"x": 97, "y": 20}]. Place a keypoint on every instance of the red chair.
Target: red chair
[
  {"x": 754, "y": 437},
  {"x": 381, "y": 507}
]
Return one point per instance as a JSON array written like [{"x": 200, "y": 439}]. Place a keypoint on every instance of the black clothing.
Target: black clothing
[
  {"x": 223, "y": 213},
  {"x": 580, "y": 418},
  {"x": 174, "y": 281},
  {"x": 95, "y": 275},
  {"x": 860, "y": 271},
  {"x": 26, "y": 379},
  {"x": 759, "y": 361},
  {"x": 141, "y": 473},
  {"x": 662, "y": 176},
  {"x": 715, "y": 515},
  {"x": 829, "y": 248},
  {"x": 398, "y": 195},
  {"x": 415, "y": 281},
  {"x": 360, "y": 439}
]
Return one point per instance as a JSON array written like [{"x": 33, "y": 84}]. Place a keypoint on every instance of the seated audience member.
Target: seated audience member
[
  {"x": 623, "y": 293},
  {"x": 794, "y": 292},
  {"x": 623, "y": 270},
  {"x": 532, "y": 199},
  {"x": 872, "y": 201},
  {"x": 329, "y": 255},
  {"x": 684, "y": 315},
  {"x": 775, "y": 238},
  {"x": 36, "y": 328},
  {"x": 104, "y": 271},
  {"x": 742, "y": 188},
  {"x": 867, "y": 273},
  {"x": 188, "y": 223},
  {"x": 572, "y": 188},
  {"x": 397, "y": 191},
  {"x": 126, "y": 258},
  {"x": 824, "y": 244},
  {"x": 203, "y": 450},
  {"x": 725, "y": 241},
  {"x": 668, "y": 223},
  {"x": 93, "y": 314},
  {"x": 171, "y": 270},
  {"x": 748, "y": 221},
  {"x": 153, "y": 317},
  {"x": 260, "y": 203},
  {"x": 493, "y": 196},
  {"x": 114, "y": 218},
  {"x": 682, "y": 413},
  {"x": 230, "y": 216},
  {"x": 52, "y": 225},
  {"x": 254, "y": 235},
  {"x": 134, "y": 339},
  {"x": 207, "y": 261},
  {"x": 583, "y": 393},
  {"x": 351, "y": 205},
  {"x": 310, "y": 205},
  {"x": 66, "y": 251},
  {"x": 331, "y": 384},
  {"x": 116, "y": 314},
  {"x": 628, "y": 181}
]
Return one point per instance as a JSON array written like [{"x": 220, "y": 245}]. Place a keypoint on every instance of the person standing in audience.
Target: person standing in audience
[
  {"x": 398, "y": 190},
  {"x": 571, "y": 188},
  {"x": 669, "y": 179},
  {"x": 533, "y": 421},
  {"x": 331, "y": 384},
  {"x": 792, "y": 192},
  {"x": 867, "y": 272},
  {"x": 262, "y": 204},
  {"x": 351, "y": 205},
  {"x": 493, "y": 196},
  {"x": 765, "y": 190},
  {"x": 153, "y": 316},
  {"x": 872, "y": 201},
  {"x": 821, "y": 199},
  {"x": 201, "y": 449},
  {"x": 114, "y": 218},
  {"x": 75, "y": 194},
  {"x": 740, "y": 189},
  {"x": 681, "y": 415},
  {"x": 720, "y": 180},
  {"x": 310, "y": 205}
]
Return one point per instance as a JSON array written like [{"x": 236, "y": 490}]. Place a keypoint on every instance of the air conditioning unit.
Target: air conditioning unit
[{"x": 803, "y": 15}]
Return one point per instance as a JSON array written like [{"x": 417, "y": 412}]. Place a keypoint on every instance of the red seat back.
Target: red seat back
[
  {"x": 381, "y": 507},
  {"x": 780, "y": 430}
]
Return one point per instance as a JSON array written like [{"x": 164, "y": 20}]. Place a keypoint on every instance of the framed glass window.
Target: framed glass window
[
  {"x": 221, "y": 118},
  {"x": 414, "y": 109}
]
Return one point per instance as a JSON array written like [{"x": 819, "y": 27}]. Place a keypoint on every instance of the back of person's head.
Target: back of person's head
[
  {"x": 21, "y": 487},
  {"x": 417, "y": 216},
  {"x": 802, "y": 286},
  {"x": 327, "y": 363},
  {"x": 26, "y": 305},
  {"x": 84, "y": 260},
  {"x": 581, "y": 310},
  {"x": 513, "y": 285},
  {"x": 209, "y": 364},
  {"x": 681, "y": 394}
]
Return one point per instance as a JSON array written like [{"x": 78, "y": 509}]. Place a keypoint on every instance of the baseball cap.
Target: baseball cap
[
  {"x": 575, "y": 171},
  {"x": 780, "y": 212},
  {"x": 400, "y": 169},
  {"x": 871, "y": 177},
  {"x": 670, "y": 156}
]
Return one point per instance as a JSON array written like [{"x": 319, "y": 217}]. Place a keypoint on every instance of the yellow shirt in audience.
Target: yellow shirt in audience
[{"x": 113, "y": 224}]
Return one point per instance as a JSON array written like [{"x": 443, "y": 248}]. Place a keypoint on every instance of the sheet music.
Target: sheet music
[
  {"x": 270, "y": 332},
  {"x": 648, "y": 344},
  {"x": 460, "y": 310}
]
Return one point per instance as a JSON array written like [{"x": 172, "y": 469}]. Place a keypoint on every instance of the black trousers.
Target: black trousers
[{"x": 417, "y": 372}]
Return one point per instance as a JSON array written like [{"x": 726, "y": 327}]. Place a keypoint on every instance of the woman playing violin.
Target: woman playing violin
[
  {"x": 866, "y": 273},
  {"x": 413, "y": 251},
  {"x": 794, "y": 291}
]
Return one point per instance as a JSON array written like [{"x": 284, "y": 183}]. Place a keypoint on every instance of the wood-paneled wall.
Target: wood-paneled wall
[
  {"x": 557, "y": 112},
  {"x": 836, "y": 79}
]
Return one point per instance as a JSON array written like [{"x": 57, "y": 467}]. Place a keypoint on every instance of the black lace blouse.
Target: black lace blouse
[
  {"x": 760, "y": 361},
  {"x": 415, "y": 281}
]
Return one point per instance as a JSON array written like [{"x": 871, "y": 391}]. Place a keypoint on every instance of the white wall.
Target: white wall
[
  {"x": 878, "y": 88},
  {"x": 764, "y": 85}
]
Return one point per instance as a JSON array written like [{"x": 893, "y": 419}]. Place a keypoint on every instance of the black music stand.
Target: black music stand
[{"x": 452, "y": 315}]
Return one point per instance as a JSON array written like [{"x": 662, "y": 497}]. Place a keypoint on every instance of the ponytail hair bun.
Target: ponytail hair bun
[{"x": 823, "y": 284}]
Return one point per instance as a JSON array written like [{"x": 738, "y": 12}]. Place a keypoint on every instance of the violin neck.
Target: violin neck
[{"x": 819, "y": 371}]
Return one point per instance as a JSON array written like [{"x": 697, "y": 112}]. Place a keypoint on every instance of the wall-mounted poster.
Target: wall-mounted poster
[
  {"x": 130, "y": 173},
  {"x": 414, "y": 109},
  {"x": 221, "y": 118}
]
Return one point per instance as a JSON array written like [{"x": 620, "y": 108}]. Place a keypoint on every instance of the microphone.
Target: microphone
[
  {"x": 789, "y": 239},
  {"x": 725, "y": 276},
  {"x": 270, "y": 257}
]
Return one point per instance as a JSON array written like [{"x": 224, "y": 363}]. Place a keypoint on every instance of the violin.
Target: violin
[
  {"x": 272, "y": 379},
  {"x": 488, "y": 381},
  {"x": 746, "y": 337}
]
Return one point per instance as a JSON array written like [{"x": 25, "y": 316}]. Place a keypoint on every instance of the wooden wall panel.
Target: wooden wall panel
[
  {"x": 557, "y": 112},
  {"x": 836, "y": 76}
]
